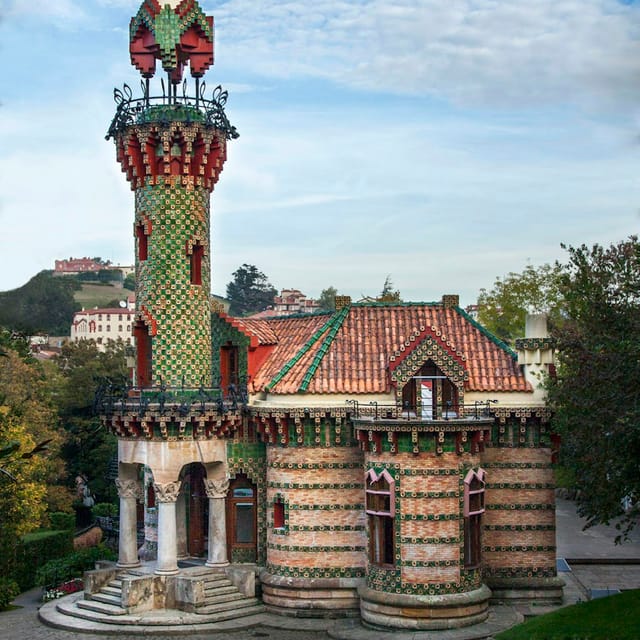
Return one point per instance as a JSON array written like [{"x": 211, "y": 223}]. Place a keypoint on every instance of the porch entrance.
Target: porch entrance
[{"x": 197, "y": 510}]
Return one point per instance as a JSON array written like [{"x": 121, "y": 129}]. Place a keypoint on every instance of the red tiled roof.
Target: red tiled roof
[{"x": 352, "y": 354}]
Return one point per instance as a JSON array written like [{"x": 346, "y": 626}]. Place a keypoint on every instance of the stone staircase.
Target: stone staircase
[
  {"x": 223, "y": 600},
  {"x": 200, "y": 596}
]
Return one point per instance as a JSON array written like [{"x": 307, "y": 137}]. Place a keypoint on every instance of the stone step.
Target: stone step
[
  {"x": 112, "y": 590},
  {"x": 219, "y": 591},
  {"x": 227, "y": 597},
  {"x": 103, "y": 608},
  {"x": 234, "y": 614},
  {"x": 236, "y": 607},
  {"x": 116, "y": 584},
  {"x": 107, "y": 598}
]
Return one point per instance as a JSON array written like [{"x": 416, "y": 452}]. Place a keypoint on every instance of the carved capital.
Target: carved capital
[
  {"x": 128, "y": 488},
  {"x": 167, "y": 492},
  {"x": 216, "y": 488}
]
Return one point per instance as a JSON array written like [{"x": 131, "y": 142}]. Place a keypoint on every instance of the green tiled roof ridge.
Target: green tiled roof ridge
[
  {"x": 336, "y": 322},
  {"x": 305, "y": 348},
  {"x": 484, "y": 331}
]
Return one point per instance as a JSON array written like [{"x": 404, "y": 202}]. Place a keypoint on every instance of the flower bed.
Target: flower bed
[{"x": 64, "y": 589}]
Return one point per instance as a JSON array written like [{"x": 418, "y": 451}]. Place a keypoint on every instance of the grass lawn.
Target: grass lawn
[
  {"x": 96, "y": 295},
  {"x": 612, "y": 618}
]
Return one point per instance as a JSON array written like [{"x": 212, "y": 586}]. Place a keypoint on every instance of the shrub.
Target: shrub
[
  {"x": 9, "y": 589},
  {"x": 72, "y": 566},
  {"x": 37, "y": 548},
  {"x": 61, "y": 521},
  {"x": 104, "y": 509}
]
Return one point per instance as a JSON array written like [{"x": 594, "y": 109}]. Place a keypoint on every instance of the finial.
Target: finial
[{"x": 176, "y": 32}]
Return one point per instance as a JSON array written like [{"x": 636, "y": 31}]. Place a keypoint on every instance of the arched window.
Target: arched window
[
  {"x": 143, "y": 242},
  {"x": 380, "y": 508},
  {"x": 197, "y": 252},
  {"x": 474, "y": 484}
]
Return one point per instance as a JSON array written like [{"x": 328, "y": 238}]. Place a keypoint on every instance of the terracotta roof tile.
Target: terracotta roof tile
[{"x": 357, "y": 357}]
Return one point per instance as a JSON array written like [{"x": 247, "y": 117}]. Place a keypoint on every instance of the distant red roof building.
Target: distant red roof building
[{"x": 78, "y": 265}]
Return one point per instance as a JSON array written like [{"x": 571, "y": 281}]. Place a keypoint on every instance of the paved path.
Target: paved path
[{"x": 573, "y": 543}]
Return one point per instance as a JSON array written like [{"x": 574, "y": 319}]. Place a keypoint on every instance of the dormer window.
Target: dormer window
[{"x": 430, "y": 395}]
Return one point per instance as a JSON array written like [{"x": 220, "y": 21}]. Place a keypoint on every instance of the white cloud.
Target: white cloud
[{"x": 470, "y": 52}]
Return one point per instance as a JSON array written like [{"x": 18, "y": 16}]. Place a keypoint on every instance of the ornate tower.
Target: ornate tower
[{"x": 172, "y": 148}]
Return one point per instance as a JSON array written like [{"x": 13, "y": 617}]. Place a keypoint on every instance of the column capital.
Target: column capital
[
  {"x": 167, "y": 492},
  {"x": 216, "y": 488},
  {"x": 128, "y": 488}
]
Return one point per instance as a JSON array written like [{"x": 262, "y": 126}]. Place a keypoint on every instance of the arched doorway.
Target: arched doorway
[
  {"x": 242, "y": 521},
  {"x": 196, "y": 511}
]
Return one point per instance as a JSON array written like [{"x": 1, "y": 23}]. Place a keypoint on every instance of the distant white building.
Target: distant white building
[
  {"x": 293, "y": 301},
  {"x": 102, "y": 325}
]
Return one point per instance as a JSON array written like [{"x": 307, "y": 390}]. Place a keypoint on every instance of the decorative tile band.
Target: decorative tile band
[
  {"x": 429, "y": 494},
  {"x": 314, "y": 465},
  {"x": 324, "y": 485},
  {"x": 326, "y": 507},
  {"x": 520, "y": 507},
  {"x": 327, "y": 527},
  {"x": 314, "y": 549},
  {"x": 431, "y": 472},
  {"x": 445, "y": 540},
  {"x": 429, "y": 563},
  {"x": 315, "y": 572},
  {"x": 430, "y": 516}
]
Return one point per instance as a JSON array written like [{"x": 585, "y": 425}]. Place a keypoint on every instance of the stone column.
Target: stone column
[
  {"x": 181, "y": 525},
  {"x": 166, "y": 496},
  {"x": 216, "y": 491},
  {"x": 128, "y": 491}
]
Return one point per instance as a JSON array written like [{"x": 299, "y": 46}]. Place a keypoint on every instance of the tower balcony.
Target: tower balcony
[
  {"x": 171, "y": 106},
  {"x": 166, "y": 413}
]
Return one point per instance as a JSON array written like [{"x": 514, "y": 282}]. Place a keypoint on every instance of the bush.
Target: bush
[
  {"x": 35, "y": 550},
  {"x": 104, "y": 509},
  {"x": 62, "y": 521},
  {"x": 9, "y": 589},
  {"x": 72, "y": 566}
]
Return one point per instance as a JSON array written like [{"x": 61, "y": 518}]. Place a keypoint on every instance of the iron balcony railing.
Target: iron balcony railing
[
  {"x": 171, "y": 106},
  {"x": 479, "y": 410},
  {"x": 124, "y": 398}
]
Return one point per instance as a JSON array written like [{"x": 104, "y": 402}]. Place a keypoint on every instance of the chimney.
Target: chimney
[
  {"x": 450, "y": 300},
  {"x": 342, "y": 302},
  {"x": 536, "y": 351}
]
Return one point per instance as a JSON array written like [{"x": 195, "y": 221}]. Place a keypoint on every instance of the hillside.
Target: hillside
[{"x": 46, "y": 303}]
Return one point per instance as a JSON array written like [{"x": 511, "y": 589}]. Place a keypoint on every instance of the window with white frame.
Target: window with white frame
[
  {"x": 380, "y": 508},
  {"x": 474, "y": 484}
]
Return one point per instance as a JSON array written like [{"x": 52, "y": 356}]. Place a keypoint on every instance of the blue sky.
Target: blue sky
[{"x": 442, "y": 142}]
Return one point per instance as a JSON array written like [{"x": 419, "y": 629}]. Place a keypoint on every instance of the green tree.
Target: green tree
[
  {"x": 88, "y": 448},
  {"x": 388, "y": 294},
  {"x": 250, "y": 291},
  {"x": 25, "y": 391},
  {"x": 503, "y": 309},
  {"x": 327, "y": 299},
  {"x": 595, "y": 395},
  {"x": 44, "y": 304},
  {"x": 129, "y": 282}
]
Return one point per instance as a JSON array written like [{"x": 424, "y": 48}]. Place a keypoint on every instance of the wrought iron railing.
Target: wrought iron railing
[
  {"x": 479, "y": 410},
  {"x": 113, "y": 398},
  {"x": 170, "y": 106}
]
